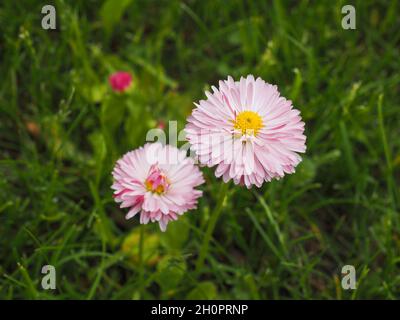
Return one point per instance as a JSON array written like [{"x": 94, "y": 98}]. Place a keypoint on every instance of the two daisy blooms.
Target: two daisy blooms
[{"x": 245, "y": 128}]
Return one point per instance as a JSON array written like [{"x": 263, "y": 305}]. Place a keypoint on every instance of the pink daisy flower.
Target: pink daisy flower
[
  {"x": 246, "y": 129},
  {"x": 158, "y": 182},
  {"x": 120, "y": 81}
]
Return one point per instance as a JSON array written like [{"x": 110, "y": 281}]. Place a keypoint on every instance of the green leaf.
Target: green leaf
[
  {"x": 204, "y": 291},
  {"x": 176, "y": 235},
  {"x": 100, "y": 151},
  {"x": 111, "y": 117},
  {"x": 170, "y": 272},
  {"x": 151, "y": 243},
  {"x": 99, "y": 146},
  {"x": 305, "y": 172},
  {"x": 111, "y": 13}
]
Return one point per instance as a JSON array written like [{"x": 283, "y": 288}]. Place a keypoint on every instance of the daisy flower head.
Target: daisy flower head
[
  {"x": 120, "y": 81},
  {"x": 248, "y": 130},
  {"x": 158, "y": 182}
]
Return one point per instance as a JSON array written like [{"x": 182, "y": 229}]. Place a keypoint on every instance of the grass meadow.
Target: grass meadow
[{"x": 62, "y": 128}]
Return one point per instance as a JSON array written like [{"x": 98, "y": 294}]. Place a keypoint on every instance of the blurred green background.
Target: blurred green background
[{"x": 62, "y": 129}]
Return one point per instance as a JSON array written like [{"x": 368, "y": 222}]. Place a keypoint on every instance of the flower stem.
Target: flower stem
[
  {"x": 211, "y": 226},
  {"x": 141, "y": 257}
]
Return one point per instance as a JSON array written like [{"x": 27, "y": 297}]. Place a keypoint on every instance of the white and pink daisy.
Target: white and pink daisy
[
  {"x": 248, "y": 130},
  {"x": 158, "y": 182}
]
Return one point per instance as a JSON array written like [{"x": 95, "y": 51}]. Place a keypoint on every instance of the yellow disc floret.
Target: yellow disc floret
[
  {"x": 249, "y": 122},
  {"x": 150, "y": 187}
]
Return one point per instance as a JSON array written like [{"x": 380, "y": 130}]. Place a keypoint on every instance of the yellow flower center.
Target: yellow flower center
[
  {"x": 249, "y": 122},
  {"x": 156, "y": 181},
  {"x": 159, "y": 189}
]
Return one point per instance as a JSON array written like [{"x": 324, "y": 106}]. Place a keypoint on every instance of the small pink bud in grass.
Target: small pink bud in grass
[{"x": 120, "y": 81}]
